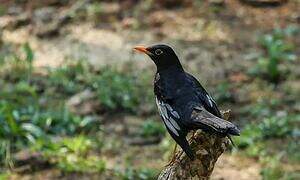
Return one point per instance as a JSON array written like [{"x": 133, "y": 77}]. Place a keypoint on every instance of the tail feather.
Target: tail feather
[
  {"x": 225, "y": 128},
  {"x": 219, "y": 126},
  {"x": 202, "y": 119},
  {"x": 183, "y": 143},
  {"x": 189, "y": 152}
]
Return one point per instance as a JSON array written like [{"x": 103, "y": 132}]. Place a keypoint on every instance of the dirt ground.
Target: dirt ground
[{"x": 211, "y": 44}]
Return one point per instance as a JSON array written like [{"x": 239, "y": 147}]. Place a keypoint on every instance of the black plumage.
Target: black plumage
[{"x": 183, "y": 104}]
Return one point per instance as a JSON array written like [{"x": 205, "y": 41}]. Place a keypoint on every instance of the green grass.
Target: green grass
[
  {"x": 72, "y": 154},
  {"x": 69, "y": 78},
  {"x": 141, "y": 174},
  {"x": 121, "y": 91},
  {"x": 278, "y": 51},
  {"x": 152, "y": 128},
  {"x": 32, "y": 105},
  {"x": 4, "y": 176},
  {"x": 269, "y": 128},
  {"x": 34, "y": 115},
  {"x": 223, "y": 92},
  {"x": 274, "y": 142},
  {"x": 274, "y": 169}
]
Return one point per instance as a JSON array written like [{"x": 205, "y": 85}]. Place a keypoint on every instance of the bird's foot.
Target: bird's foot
[
  {"x": 193, "y": 135},
  {"x": 174, "y": 160}
]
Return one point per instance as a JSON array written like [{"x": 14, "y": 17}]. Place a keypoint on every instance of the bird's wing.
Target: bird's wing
[
  {"x": 207, "y": 101},
  {"x": 202, "y": 119},
  {"x": 169, "y": 116},
  {"x": 171, "y": 120}
]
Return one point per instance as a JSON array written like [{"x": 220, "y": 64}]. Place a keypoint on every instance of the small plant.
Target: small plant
[
  {"x": 263, "y": 108},
  {"x": 119, "y": 90},
  {"x": 33, "y": 107},
  {"x": 249, "y": 136},
  {"x": 272, "y": 169},
  {"x": 29, "y": 56},
  {"x": 275, "y": 127},
  {"x": 23, "y": 116},
  {"x": 275, "y": 169},
  {"x": 70, "y": 78},
  {"x": 152, "y": 128},
  {"x": 277, "y": 52},
  {"x": 223, "y": 93},
  {"x": 15, "y": 66},
  {"x": 5, "y": 153},
  {"x": 271, "y": 127},
  {"x": 141, "y": 174},
  {"x": 72, "y": 154},
  {"x": 293, "y": 150}
]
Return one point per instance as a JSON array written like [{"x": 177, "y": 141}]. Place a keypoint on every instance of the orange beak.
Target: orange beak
[{"x": 142, "y": 49}]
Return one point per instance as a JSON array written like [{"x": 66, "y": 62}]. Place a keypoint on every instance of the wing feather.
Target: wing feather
[
  {"x": 169, "y": 116},
  {"x": 174, "y": 123},
  {"x": 207, "y": 101}
]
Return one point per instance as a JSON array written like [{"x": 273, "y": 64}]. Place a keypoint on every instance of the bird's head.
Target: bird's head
[{"x": 162, "y": 55}]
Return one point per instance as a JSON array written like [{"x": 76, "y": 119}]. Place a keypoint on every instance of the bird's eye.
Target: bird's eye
[{"x": 158, "y": 52}]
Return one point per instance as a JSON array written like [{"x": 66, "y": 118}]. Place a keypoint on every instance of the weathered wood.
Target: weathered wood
[{"x": 207, "y": 148}]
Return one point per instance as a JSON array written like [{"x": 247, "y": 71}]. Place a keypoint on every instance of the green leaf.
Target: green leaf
[
  {"x": 28, "y": 52},
  {"x": 32, "y": 129}
]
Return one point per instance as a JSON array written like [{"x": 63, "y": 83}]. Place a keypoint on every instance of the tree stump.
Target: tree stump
[{"x": 207, "y": 149}]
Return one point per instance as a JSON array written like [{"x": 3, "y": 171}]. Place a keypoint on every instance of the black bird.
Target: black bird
[{"x": 183, "y": 103}]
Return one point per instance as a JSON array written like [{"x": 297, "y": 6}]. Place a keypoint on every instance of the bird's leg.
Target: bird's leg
[{"x": 193, "y": 135}]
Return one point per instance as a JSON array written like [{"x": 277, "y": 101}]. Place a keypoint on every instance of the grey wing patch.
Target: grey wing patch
[
  {"x": 174, "y": 113},
  {"x": 166, "y": 112},
  {"x": 171, "y": 127},
  {"x": 174, "y": 123},
  {"x": 210, "y": 100}
]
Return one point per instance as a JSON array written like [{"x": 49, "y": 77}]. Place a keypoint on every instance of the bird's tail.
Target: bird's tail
[
  {"x": 219, "y": 126},
  {"x": 189, "y": 152}
]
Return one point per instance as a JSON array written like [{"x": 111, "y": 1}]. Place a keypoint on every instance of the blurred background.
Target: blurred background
[{"x": 77, "y": 103}]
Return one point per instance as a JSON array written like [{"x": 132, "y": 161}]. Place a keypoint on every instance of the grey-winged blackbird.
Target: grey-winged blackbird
[{"x": 183, "y": 104}]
